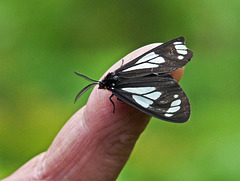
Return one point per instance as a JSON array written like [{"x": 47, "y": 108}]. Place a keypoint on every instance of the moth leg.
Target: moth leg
[{"x": 110, "y": 98}]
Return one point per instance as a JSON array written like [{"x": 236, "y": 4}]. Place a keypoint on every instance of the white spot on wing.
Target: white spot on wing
[
  {"x": 173, "y": 109},
  {"x": 177, "y": 43},
  {"x": 180, "y": 57},
  {"x": 168, "y": 115},
  {"x": 144, "y": 102},
  {"x": 157, "y": 60},
  {"x": 147, "y": 57},
  {"x": 139, "y": 90},
  {"x": 176, "y": 103},
  {"x": 183, "y": 52},
  {"x": 154, "y": 95},
  {"x": 182, "y": 47},
  {"x": 175, "y": 96},
  {"x": 141, "y": 66}
]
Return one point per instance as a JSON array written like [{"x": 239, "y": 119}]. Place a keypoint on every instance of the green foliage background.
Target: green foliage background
[{"x": 42, "y": 42}]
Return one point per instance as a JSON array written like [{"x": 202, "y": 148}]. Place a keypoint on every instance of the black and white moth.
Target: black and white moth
[{"x": 146, "y": 84}]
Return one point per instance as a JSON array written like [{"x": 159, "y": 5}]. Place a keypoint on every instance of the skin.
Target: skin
[{"x": 94, "y": 144}]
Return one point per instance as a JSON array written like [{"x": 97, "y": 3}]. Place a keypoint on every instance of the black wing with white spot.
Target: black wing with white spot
[
  {"x": 166, "y": 57},
  {"x": 159, "y": 96}
]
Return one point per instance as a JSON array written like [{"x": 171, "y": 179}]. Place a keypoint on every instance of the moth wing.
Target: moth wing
[
  {"x": 159, "y": 96},
  {"x": 166, "y": 57}
]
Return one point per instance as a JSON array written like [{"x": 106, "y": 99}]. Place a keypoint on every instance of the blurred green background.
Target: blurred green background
[{"x": 42, "y": 42}]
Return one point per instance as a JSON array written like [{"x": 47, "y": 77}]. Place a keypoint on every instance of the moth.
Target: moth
[{"x": 146, "y": 83}]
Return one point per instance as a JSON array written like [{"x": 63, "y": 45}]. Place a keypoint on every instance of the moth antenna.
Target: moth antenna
[
  {"x": 84, "y": 90},
  {"x": 85, "y": 77}
]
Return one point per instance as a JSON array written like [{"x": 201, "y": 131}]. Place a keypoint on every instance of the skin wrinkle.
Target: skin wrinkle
[
  {"x": 83, "y": 160},
  {"x": 89, "y": 145},
  {"x": 71, "y": 162},
  {"x": 96, "y": 143},
  {"x": 109, "y": 126},
  {"x": 104, "y": 170},
  {"x": 103, "y": 138},
  {"x": 83, "y": 121},
  {"x": 99, "y": 140},
  {"x": 123, "y": 138},
  {"x": 23, "y": 173},
  {"x": 121, "y": 156},
  {"x": 75, "y": 167},
  {"x": 119, "y": 145},
  {"x": 36, "y": 170},
  {"x": 41, "y": 169}
]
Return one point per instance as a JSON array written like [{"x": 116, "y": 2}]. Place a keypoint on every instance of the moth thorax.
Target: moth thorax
[{"x": 109, "y": 81}]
